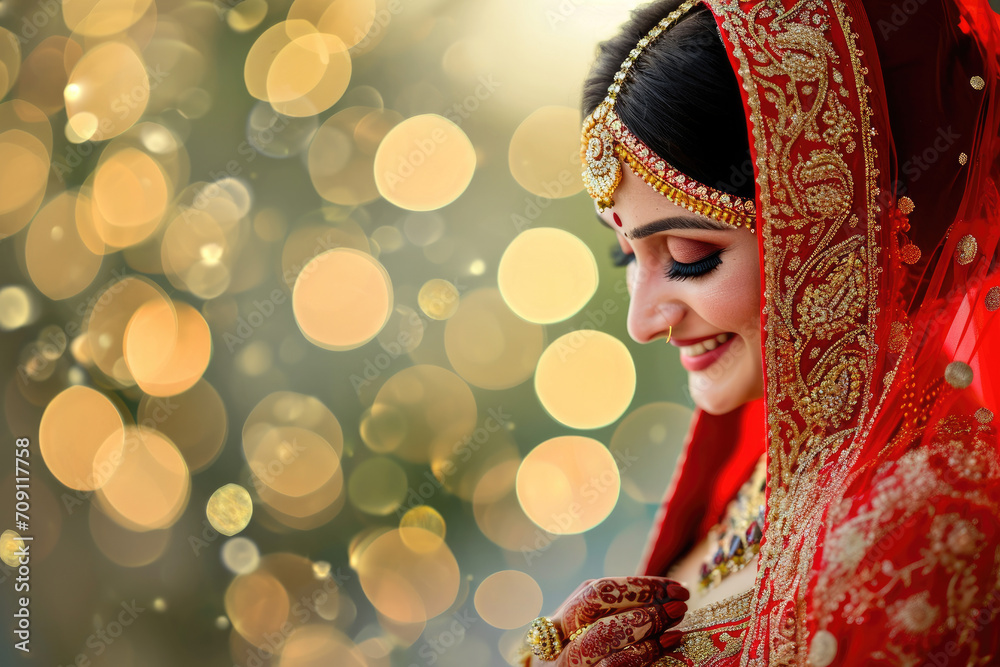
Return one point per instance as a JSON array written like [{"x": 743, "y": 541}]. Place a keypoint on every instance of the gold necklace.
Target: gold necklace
[{"x": 738, "y": 535}]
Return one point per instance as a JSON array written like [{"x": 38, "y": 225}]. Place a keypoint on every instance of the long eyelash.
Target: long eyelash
[
  {"x": 679, "y": 271},
  {"x": 619, "y": 257}
]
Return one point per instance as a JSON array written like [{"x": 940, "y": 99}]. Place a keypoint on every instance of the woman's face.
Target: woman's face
[{"x": 704, "y": 282}]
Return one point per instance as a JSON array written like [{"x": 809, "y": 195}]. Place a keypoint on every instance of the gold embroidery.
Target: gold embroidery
[
  {"x": 965, "y": 249},
  {"x": 992, "y": 300},
  {"x": 820, "y": 241}
]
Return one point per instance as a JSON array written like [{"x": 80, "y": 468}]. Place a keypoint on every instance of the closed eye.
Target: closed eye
[{"x": 680, "y": 271}]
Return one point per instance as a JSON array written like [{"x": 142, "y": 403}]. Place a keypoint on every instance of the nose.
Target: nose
[{"x": 653, "y": 308}]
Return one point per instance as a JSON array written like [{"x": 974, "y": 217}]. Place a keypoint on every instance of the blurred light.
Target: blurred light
[
  {"x": 424, "y": 163},
  {"x": 16, "y": 308},
  {"x": 547, "y": 275},
  {"x": 585, "y": 379},
  {"x": 377, "y": 486},
  {"x": 568, "y": 484},
  {"x": 81, "y": 437},
  {"x": 229, "y": 509},
  {"x": 432, "y": 402},
  {"x": 544, "y": 154},
  {"x": 438, "y": 298},
  {"x": 650, "y": 439},
  {"x": 240, "y": 555},
  {"x": 488, "y": 345},
  {"x": 508, "y": 599},
  {"x": 342, "y": 299},
  {"x": 405, "y": 585}
]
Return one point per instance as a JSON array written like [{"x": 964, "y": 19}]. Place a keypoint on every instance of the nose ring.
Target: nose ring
[{"x": 670, "y": 330}]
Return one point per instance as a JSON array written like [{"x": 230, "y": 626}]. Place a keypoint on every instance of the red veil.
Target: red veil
[{"x": 874, "y": 130}]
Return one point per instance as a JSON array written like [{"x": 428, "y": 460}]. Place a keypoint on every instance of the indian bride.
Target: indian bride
[{"x": 806, "y": 195}]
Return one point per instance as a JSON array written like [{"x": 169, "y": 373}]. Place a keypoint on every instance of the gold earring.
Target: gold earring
[{"x": 670, "y": 330}]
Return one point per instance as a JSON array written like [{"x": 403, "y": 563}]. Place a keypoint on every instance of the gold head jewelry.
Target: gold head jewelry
[{"x": 606, "y": 141}]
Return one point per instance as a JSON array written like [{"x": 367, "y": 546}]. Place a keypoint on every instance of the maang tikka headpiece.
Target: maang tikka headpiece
[{"x": 606, "y": 139}]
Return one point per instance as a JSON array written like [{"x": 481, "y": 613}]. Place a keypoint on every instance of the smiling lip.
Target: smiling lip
[{"x": 706, "y": 359}]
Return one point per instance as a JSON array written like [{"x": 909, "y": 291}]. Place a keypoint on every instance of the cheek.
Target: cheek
[{"x": 732, "y": 304}]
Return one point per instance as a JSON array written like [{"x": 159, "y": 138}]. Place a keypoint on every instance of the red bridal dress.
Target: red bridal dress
[{"x": 874, "y": 130}]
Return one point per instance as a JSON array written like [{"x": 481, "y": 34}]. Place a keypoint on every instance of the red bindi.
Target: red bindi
[{"x": 618, "y": 221}]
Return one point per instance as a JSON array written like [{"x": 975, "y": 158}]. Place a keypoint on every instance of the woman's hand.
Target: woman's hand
[{"x": 628, "y": 618}]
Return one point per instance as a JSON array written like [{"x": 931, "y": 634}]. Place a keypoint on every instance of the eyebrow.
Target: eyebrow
[{"x": 673, "y": 222}]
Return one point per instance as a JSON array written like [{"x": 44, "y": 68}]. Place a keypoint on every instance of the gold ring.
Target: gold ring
[
  {"x": 544, "y": 638},
  {"x": 579, "y": 631}
]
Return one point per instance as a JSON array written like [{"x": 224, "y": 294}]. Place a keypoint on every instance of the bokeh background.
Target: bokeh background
[{"x": 313, "y": 332}]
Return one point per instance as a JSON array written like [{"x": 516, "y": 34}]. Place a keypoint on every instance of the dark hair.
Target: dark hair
[{"x": 681, "y": 96}]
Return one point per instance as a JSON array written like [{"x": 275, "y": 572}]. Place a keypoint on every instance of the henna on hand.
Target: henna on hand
[
  {"x": 598, "y": 598},
  {"x": 612, "y": 634}
]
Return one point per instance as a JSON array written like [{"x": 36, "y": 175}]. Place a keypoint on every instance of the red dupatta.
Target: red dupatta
[{"x": 880, "y": 346}]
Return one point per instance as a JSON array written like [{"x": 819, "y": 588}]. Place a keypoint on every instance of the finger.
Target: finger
[
  {"x": 642, "y": 654},
  {"x": 607, "y": 596},
  {"x": 614, "y": 633}
]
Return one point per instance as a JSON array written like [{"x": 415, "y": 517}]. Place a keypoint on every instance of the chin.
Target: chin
[{"x": 720, "y": 400}]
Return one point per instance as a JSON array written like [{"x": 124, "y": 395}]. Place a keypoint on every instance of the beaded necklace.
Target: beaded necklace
[{"x": 738, "y": 535}]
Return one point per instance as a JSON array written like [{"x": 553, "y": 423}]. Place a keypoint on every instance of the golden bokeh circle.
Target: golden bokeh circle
[
  {"x": 350, "y": 20},
  {"x": 568, "y": 484},
  {"x": 110, "y": 85},
  {"x": 59, "y": 262},
  {"x": 377, "y": 486},
  {"x": 229, "y": 509},
  {"x": 585, "y": 379},
  {"x": 488, "y": 345},
  {"x": 508, "y": 599},
  {"x": 10, "y": 60},
  {"x": 291, "y": 460},
  {"x": 547, "y": 275},
  {"x": 431, "y": 527},
  {"x": 10, "y": 546},
  {"x": 80, "y": 437},
  {"x": 544, "y": 153},
  {"x": 167, "y": 347},
  {"x": 438, "y": 299},
  {"x": 405, "y": 585},
  {"x": 424, "y": 163},
  {"x": 151, "y": 485},
  {"x": 308, "y": 75},
  {"x": 258, "y": 606},
  {"x": 109, "y": 315},
  {"x": 342, "y": 299},
  {"x": 102, "y": 18}
]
